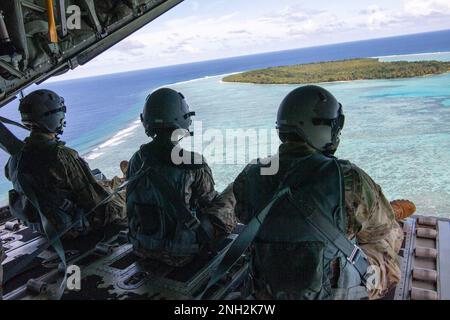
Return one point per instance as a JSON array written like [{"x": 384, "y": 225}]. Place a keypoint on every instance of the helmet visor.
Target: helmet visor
[
  {"x": 337, "y": 122},
  {"x": 62, "y": 109}
]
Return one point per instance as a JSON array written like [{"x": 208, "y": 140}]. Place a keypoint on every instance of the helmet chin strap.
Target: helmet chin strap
[
  {"x": 333, "y": 146},
  {"x": 186, "y": 135},
  {"x": 330, "y": 149}
]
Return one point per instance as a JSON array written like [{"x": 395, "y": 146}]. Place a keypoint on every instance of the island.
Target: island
[{"x": 344, "y": 70}]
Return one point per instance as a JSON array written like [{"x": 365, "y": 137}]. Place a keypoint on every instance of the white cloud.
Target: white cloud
[
  {"x": 420, "y": 8},
  {"x": 129, "y": 46},
  {"x": 196, "y": 38},
  {"x": 204, "y": 35},
  {"x": 377, "y": 17}
]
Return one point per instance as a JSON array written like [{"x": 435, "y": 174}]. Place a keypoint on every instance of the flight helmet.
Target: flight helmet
[
  {"x": 313, "y": 115},
  {"x": 166, "y": 109},
  {"x": 43, "y": 110}
]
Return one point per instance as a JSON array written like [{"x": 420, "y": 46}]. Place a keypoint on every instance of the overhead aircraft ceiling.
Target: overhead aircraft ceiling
[{"x": 43, "y": 38}]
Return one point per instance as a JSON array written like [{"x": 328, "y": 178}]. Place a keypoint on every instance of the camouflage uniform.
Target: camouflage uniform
[
  {"x": 195, "y": 184},
  {"x": 113, "y": 184},
  {"x": 370, "y": 217},
  {"x": 60, "y": 173}
]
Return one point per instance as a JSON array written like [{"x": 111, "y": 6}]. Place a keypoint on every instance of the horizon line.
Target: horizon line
[{"x": 241, "y": 56}]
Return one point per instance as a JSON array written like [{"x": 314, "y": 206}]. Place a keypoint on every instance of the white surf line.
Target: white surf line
[
  {"x": 117, "y": 139},
  {"x": 412, "y": 55},
  {"x": 199, "y": 79},
  {"x": 120, "y": 136}
]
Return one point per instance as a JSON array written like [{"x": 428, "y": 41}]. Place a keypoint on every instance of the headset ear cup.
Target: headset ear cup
[
  {"x": 60, "y": 130},
  {"x": 341, "y": 117},
  {"x": 341, "y": 121}
]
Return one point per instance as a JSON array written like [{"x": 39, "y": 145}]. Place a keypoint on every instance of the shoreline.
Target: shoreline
[
  {"x": 129, "y": 131},
  {"x": 333, "y": 82},
  {"x": 120, "y": 136},
  {"x": 116, "y": 139},
  {"x": 413, "y": 54},
  {"x": 339, "y": 71}
]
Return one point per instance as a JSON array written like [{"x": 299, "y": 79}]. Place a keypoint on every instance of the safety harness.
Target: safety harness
[
  {"x": 305, "y": 205},
  {"x": 54, "y": 237},
  {"x": 171, "y": 195}
]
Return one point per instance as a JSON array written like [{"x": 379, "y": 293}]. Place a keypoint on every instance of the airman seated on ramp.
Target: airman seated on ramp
[{"x": 51, "y": 181}]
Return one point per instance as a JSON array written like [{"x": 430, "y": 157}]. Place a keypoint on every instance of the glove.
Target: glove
[
  {"x": 124, "y": 167},
  {"x": 403, "y": 208}
]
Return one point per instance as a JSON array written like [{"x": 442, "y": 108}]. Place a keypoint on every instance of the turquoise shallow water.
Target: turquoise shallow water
[{"x": 398, "y": 131}]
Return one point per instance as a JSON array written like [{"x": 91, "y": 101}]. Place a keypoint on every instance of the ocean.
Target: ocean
[{"x": 396, "y": 130}]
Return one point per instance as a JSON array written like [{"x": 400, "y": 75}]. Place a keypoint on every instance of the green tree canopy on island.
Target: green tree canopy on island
[{"x": 345, "y": 70}]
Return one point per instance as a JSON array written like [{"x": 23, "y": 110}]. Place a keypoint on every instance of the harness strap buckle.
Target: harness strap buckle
[
  {"x": 193, "y": 223},
  {"x": 356, "y": 253},
  {"x": 66, "y": 206}
]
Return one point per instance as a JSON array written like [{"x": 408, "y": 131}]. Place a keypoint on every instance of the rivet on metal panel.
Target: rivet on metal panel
[
  {"x": 426, "y": 233},
  {"x": 427, "y": 221},
  {"x": 425, "y": 252},
  {"x": 104, "y": 249},
  {"x": 425, "y": 274},
  {"x": 12, "y": 226},
  {"x": 36, "y": 286},
  {"x": 423, "y": 294}
]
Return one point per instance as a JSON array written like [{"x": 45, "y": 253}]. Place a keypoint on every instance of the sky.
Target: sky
[{"x": 198, "y": 30}]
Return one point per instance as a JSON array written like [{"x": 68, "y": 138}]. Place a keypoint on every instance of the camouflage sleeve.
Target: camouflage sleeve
[
  {"x": 243, "y": 211},
  {"x": 211, "y": 203},
  {"x": 232, "y": 204},
  {"x": 222, "y": 208},
  {"x": 372, "y": 221},
  {"x": 85, "y": 190},
  {"x": 203, "y": 186}
]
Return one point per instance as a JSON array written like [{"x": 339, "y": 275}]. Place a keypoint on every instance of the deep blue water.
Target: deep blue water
[{"x": 101, "y": 106}]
